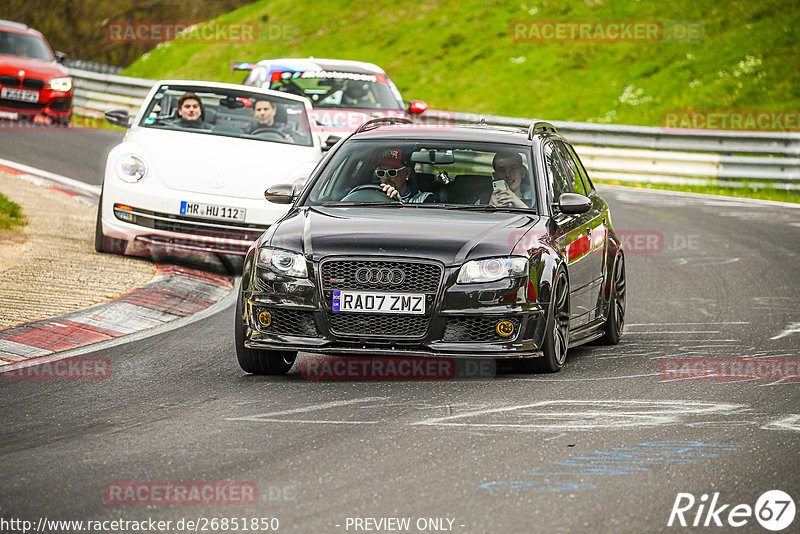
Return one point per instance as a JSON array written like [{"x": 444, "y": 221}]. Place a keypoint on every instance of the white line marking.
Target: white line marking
[
  {"x": 680, "y": 332},
  {"x": 584, "y": 379},
  {"x": 305, "y": 409},
  {"x": 791, "y": 422},
  {"x": 793, "y": 328},
  {"x": 671, "y": 324},
  {"x": 86, "y": 188},
  {"x": 305, "y": 421},
  {"x": 587, "y": 415}
]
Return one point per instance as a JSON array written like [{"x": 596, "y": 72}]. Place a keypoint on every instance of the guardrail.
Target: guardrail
[{"x": 609, "y": 151}]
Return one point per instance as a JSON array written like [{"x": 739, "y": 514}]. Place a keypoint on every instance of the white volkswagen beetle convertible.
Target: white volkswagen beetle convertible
[{"x": 191, "y": 172}]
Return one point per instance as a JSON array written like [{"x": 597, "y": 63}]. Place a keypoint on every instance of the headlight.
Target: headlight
[
  {"x": 282, "y": 262},
  {"x": 130, "y": 168},
  {"x": 492, "y": 269},
  {"x": 60, "y": 84}
]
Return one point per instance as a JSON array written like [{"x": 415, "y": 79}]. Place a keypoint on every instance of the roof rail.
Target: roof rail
[
  {"x": 540, "y": 126},
  {"x": 375, "y": 123}
]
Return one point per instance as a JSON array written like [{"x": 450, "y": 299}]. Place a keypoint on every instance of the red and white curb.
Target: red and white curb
[{"x": 174, "y": 292}]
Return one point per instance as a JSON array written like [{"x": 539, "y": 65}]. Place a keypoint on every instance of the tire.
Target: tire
[
  {"x": 110, "y": 245},
  {"x": 556, "y": 339},
  {"x": 98, "y": 229},
  {"x": 616, "y": 306},
  {"x": 259, "y": 362}
]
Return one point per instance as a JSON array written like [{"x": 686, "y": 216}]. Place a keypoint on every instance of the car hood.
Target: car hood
[
  {"x": 205, "y": 163},
  {"x": 446, "y": 235},
  {"x": 34, "y": 68}
]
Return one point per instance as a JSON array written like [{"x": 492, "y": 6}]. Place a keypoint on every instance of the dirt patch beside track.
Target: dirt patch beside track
[{"x": 50, "y": 267}]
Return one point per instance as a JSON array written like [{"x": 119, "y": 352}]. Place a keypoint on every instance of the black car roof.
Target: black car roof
[{"x": 489, "y": 134}]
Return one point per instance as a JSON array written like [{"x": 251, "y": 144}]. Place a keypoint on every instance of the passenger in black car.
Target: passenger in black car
[
  {"x": 509, "y": 168},
  {"x": 190, "y": 112}
]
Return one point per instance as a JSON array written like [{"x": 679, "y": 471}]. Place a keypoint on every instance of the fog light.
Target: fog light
[
  {"x": 504, "y": 328},
  {"x": 264, "y": 318}
]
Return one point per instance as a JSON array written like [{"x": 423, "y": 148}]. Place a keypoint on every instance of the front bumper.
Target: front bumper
[
  {"x": 52, "y": 106},
  {"x": 153, "y": 225}
]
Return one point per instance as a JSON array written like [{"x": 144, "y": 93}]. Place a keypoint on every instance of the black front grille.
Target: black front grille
[
  {"x": 10, "y": 81},
  {"x": 289, "y": 322},
  {"x": 419, "y": 277},
  {"x": 368, "y": 325},
  {"x": 17, "y": 104},
  {"x": 476, "y": 329},
  {"x": 32, "y": 83}
]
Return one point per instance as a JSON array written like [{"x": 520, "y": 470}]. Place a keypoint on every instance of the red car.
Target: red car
[{"x": 34, "y": 86}]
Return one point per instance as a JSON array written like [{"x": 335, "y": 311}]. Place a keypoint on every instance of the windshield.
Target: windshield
[
  {"x": 228, "y": 112},
  {"x": 455, "y": 174},
  {"x": 339, "y": 89},
  {"x": 24, "y": 45}
]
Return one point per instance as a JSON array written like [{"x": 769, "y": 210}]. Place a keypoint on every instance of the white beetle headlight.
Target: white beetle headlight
[{"x": 130, "y": 168}]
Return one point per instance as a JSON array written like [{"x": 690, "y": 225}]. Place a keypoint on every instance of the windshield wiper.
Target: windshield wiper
[
  {"x": 339, "y": 203},
  {"x": 489, "y": 207}
]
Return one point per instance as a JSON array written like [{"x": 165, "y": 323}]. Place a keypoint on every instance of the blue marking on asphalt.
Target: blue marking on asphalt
[{"x": 622, "y": 461}]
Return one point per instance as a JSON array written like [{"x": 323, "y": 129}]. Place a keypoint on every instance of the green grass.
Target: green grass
[
  {"x": 780, "y": 195},
  {"x": 10, "y": 214},
  {"x": 459, "y": 55}
]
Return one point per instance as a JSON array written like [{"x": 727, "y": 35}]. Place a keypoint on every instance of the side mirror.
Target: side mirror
[
  {"x": 574, "y": 204},
  {"x": 61, "y": 57},
  {"x": 119, "y": 117},
  {"x": 280, "y": 194},
  {"x": 330, "y": 142},
  {"x": 415, "y": 107}
]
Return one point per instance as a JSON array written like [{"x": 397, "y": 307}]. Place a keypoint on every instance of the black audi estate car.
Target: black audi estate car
[{"x": 459, "y": 242}]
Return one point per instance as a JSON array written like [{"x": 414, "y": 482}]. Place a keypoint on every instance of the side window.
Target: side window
[
  {"x": 573, "y": 174},
  {"x": 579, "y": 165},
  {"x": 556, "y": 174}
]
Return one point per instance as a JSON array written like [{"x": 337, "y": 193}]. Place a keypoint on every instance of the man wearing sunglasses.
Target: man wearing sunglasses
[{"x": 394, "y": 175}]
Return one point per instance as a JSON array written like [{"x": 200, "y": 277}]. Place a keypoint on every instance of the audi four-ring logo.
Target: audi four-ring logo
[{"x": 376, "y": 275}]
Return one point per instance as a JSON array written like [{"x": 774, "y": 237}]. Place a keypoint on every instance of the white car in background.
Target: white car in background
[{"x": 170, "y": 189}]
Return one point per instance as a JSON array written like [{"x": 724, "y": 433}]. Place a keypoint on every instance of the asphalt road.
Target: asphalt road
[
  {"x": 78, "y": 153},
  {"x": 604, "y": 446}
]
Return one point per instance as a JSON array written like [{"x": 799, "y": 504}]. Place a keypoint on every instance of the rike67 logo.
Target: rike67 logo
[{"x": 774, "y": 510}]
